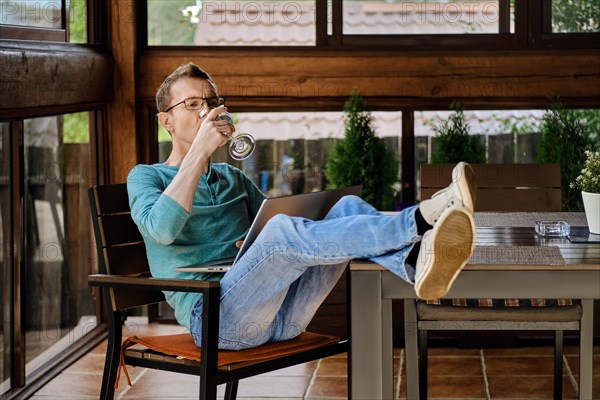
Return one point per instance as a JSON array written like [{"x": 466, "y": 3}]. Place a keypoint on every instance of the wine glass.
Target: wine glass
[{"x": 241, "y": 145}]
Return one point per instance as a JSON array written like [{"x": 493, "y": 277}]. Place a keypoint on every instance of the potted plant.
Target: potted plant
[
  {"x": 564, "y": 135},
  {"x": 362, "y": 158},
  {"x": 589, "y": 184}
]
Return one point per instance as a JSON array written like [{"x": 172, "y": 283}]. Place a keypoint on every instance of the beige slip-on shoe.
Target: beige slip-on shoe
[
  {"x": 462, "y": 191},
  {"x": 444, "y": 252}
]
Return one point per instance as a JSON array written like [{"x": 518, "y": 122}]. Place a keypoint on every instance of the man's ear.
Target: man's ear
[{"x": 165, "y": 120}]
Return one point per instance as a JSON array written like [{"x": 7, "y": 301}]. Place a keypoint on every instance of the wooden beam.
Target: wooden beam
[
  {"x": 121, "y": 143},
  {"x": 53, "y": 76},
  {"x": 291, "y": 77}
]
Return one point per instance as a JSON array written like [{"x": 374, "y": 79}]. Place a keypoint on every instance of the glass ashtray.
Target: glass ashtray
[{"x": 552, "y": 228}]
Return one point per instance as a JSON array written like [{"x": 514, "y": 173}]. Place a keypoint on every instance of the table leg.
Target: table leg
[
  {"x": 586, "y": 350},
  {"x": 411, "y": 349},
  {"x": 387, "y": 349},
  {"x": 369, "y": 347}
]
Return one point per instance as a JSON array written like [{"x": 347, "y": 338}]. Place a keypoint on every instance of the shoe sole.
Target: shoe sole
[
  {"x": 466, "y": 186},
  {"x": 453, "y": 243}
]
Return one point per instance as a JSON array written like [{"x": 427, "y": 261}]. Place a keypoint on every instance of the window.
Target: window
[
  {"x": 58, "y": 254},
  {"x": 44, "y": 20},
  {"x": 32, "y": 13},
  {"x": 572, "y": 16},
  {"x": 231, "y": 23},
  {"x": 365, "y": 17},
  {"x": 56, "y": 303}
]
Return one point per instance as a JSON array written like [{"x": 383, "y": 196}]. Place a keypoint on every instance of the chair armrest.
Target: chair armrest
[{"x": 139, "y": 282}]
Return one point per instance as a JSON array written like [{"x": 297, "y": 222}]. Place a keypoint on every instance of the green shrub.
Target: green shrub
[
  {"x": 455, "y": 144},
  {"x": 564, "y": 137},
  {"x": 363, "y": 158}
]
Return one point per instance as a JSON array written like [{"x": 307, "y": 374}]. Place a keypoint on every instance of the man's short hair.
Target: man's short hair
[{"x": 189, "y": 70}]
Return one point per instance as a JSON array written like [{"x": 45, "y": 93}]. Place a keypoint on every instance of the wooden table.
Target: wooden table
[{"x": 373, "y": 288}]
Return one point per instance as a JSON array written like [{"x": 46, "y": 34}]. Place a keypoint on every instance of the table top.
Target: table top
[{"x": 507, "y": 241}]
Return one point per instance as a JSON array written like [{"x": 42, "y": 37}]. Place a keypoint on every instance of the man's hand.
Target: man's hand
[
  {"x": 239, "y": 243},
  {"x": 213, "y": 133}
]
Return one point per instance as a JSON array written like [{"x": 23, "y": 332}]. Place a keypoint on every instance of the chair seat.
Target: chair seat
[
  {"x": 180, "y": 349},
  {"x": 429, "y": 312}
]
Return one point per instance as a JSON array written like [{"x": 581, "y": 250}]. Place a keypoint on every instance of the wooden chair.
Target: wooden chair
[
  {"x": 501, "y": 187},
  {"x": 126, "y": 283}
]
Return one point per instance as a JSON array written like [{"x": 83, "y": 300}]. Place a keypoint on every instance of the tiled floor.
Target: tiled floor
[{"x": 519, "y": 373}]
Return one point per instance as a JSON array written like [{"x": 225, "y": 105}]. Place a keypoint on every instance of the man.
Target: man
[{"x": 190, "y": 211}]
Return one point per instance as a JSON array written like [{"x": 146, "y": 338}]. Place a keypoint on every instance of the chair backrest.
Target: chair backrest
[
  {"x": 502, "y": 187},
  {"x": 120, "y": 247}
]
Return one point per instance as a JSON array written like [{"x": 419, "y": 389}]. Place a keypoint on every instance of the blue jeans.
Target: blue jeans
[{"x": 275, "y": 289}]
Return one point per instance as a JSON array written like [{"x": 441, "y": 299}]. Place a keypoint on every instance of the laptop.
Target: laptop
[{"x": 313, "y": 205}]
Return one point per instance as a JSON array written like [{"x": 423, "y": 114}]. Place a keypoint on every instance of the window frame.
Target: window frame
[
  {"x": 338, "y": 39},
  {"x": 95, "y": 24},
  {"x": 15, "y": 32},
  {"x": 435, "y": 41},
  {"x": 24, "y": 32},
  {"x": 543, "y": 35},
  {"x": 528, "y": 34}
]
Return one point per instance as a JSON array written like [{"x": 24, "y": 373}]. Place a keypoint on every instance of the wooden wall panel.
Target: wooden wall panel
[
  {"x": 296, "y": 79},
  {"x": 121, "y": 143}
]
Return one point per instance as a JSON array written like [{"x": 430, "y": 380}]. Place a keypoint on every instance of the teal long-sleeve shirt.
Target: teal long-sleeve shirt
[{"x": 225, "y": 204}]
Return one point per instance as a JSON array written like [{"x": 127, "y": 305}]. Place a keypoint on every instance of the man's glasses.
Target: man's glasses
[
  {"x": 242, "y": 145},
  {"x": 196, "y": 103}
]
